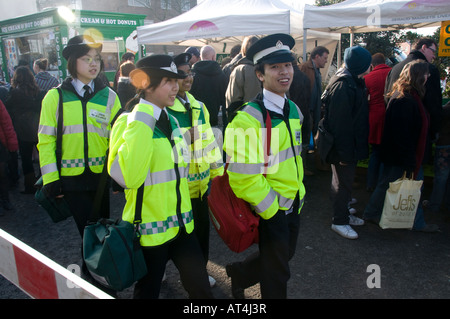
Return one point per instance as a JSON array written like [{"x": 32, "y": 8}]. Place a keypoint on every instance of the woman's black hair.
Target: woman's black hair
[{"x": 155, "y": 81}]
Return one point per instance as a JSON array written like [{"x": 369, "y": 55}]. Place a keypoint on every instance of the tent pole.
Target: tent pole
[
  {"x": 339, "y": 50},
  {"x": 305, "y": 34}
]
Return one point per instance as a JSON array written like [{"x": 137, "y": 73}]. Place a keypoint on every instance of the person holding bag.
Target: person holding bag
[
  {"x": 147, "y": 147},
  {"x": 404, "y": 139},
  {"x": 88, "y": 109}
]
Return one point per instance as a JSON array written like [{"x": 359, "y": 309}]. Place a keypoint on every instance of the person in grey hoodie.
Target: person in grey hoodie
[{"x": 44, "y": 80}]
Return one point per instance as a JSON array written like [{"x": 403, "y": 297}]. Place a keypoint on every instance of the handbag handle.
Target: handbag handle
[{"x": 404, "y": 175}]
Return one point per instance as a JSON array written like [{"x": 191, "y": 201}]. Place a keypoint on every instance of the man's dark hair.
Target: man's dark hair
[
  {"x": 427, "y": 41},
  {"x": 378, "y": 58},
  {"x": 318, "y": 51}
]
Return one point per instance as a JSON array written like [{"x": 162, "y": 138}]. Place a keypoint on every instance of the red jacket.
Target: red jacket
[
  {"x": 7, "y": 134},
  {"x": 375, "y": 81}
]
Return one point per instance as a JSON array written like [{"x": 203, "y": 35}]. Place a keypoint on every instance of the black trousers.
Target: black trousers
[
  {"x": 81, "y": 204},
  {"x": 202, "y": 224},
  {"x": 341, "y": 191},
  {"x": 26, "y": 155},
  {"x": 187, "y": 256},
  {"x": 270, "y": 265}
]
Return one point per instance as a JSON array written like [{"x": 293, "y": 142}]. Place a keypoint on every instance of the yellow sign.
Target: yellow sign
[{"x": 444, "y": 39}]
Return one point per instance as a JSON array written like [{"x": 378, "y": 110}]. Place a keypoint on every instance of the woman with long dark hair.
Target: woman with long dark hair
[
  {"x": 404, "y": 138},
  {"x": 24, "y": 106}
]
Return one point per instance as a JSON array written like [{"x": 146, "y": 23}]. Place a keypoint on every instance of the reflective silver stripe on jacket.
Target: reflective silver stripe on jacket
[
  {"x": 73, "y": 129},
  {"x": 152, "y": 228},
  {"x": 164, "y": 176},
  {"x": 258, "y": 168},
  {"x": 47, "y": 130},
  {"x": 284, "y": 202},
  {"x": 116, "y": 173},
  {"x": 143, "y": 117},
  {"x": 49, "y": 168},
  {"x": 151, "y": 179},
  {"x": 257, "y": 114},
  {"x": 266, "y": 202}
]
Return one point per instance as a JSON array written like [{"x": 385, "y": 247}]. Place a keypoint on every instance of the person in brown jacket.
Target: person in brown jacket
[
  {"x": 317, "y": 60},
  {"x": 243, "y": 85}
]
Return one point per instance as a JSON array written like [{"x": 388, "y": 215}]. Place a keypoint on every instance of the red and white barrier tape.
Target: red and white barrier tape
[{"x": 39, "y": 276}]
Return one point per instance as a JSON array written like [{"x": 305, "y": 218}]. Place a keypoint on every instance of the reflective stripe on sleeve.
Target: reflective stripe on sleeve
[
  {"x": 266, "y": 202},
  {"x": 47, "y": 130},
  {"x": 143, "y": 117},
  {"x": 242, "y": 168},
  {"x": 49, "y": 168},
  {"x": 163, "y": 176},
  {"x": 116, "y": 173}
]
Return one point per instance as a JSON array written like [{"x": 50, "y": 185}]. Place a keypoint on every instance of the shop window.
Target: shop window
[
  {"x": 110, "y": 56},
  {"x": 24, "y": 50}
]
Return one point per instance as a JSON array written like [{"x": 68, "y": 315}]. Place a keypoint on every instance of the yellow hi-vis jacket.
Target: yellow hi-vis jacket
[
  {"x": 86, "y": 129},
  {"x": 141, "y": 153},
  {"x": 206, "y": 160},
  {"x": 245, "y": 144}
]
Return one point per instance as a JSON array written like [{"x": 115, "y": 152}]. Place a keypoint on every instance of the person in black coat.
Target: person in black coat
[
  {"x": 125, "y": 90},
  {"x": 24, "y": 106},
  {"x": 300, "y": 94},
  {"x": 347, "y": 119},
  {"x": 210, "y": 85}
]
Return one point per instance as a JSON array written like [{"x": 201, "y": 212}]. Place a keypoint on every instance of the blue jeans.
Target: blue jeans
[
  {"x": 374, "y": 168},
  {"x": 389, "y": 174},
  {"x": 441, "y": 182}
]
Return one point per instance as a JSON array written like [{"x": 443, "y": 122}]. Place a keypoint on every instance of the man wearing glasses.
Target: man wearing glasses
[{"x": 425, "y": 49}]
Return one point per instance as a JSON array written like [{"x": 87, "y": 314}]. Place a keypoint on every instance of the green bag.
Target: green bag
[
  {"x": 113, "y": 254},
  {"x": 112, "y": 251},
  {"x": 57, "y": 208}
]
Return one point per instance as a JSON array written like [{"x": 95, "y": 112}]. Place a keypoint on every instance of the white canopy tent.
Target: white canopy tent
[
  {"x": 357, "y": 16},
  {"x": 219, "y": 22}
]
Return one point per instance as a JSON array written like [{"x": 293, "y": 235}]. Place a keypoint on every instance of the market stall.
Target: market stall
[
  {"x": 223, "y": 23},
  {"x": 45, "y": 34}
]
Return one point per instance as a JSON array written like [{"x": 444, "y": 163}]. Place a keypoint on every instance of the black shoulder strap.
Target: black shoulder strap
[
  {"x": 138, "y": 210},
  {"x": 59, "y": 130},
  {"x": 103, "y": 179}
]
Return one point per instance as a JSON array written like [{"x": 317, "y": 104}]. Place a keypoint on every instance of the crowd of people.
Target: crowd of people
[{"x": 166, "y": 125}]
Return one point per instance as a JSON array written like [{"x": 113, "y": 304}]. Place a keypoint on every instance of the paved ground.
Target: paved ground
[{"x": 412, "y": 265}]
